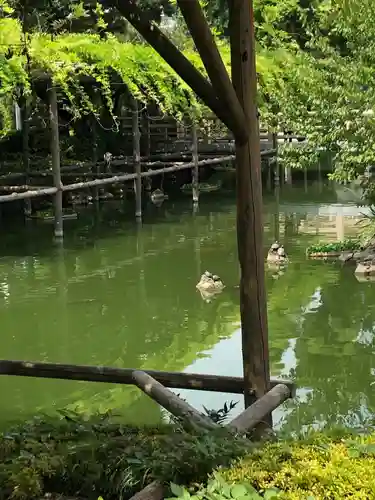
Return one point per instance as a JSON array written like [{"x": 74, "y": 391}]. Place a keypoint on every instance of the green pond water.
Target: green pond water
[{"x": 124, "y": 296}]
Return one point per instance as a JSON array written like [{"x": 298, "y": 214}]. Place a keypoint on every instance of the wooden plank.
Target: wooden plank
[
  {"x": 249, "y": 206},
  {"x": 105, "y": 374},
  {"x": 260, "y": 409},
  {"x": 211, "y": 58},
  {"x": 171, "y": 402}
]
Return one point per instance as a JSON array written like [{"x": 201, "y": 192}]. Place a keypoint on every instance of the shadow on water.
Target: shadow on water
[{"x": 123, "y": 295}]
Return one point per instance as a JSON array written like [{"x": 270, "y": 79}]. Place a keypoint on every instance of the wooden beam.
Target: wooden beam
[
  {"x": 249, "y": 206},
  {"x": 153, "y": 491},
  {"x": 171, "y": 402},
  {"x": 200, "y": 382},
  {"x": 170, "y": 53},
  {"x": 254, "y": 414},
  {"x": 211, "y": 58},
  {"x": 112, "y": 180}
]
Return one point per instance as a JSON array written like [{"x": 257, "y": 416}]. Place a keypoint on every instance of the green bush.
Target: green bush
[
  {"x": 217, "y": 488},
  {"x": 337, "y": 246},
  {"x": 101, "y": 456},
  {"x": 318, "y": 468}
]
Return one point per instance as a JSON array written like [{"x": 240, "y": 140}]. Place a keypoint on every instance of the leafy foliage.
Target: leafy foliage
[
  {"x": 339, "y": 246},
  {"x": 316, "y": 467},
  {"x": 78, "y": 456},
  {"x": 219, "y": 489}
]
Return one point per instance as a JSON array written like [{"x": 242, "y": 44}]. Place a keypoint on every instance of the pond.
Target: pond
[{"x": 124, "y": 296}]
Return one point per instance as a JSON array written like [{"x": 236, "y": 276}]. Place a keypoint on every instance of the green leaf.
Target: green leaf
[
  {"x": 238, "y": 490},
  {"x": 271, "y": 493},
  {"x": 178, "y": 491}
]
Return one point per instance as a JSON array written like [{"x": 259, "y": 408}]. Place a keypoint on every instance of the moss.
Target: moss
[{"x": 320, "y": 468}]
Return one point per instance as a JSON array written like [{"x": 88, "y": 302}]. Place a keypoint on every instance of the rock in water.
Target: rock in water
[{"x": 209, "y": 285}]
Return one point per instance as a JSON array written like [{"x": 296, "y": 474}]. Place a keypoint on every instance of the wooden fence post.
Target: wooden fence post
[
  {"x": 195, "y": 158},
  {"x": 55, "y": 153},
  {"x": 249, "y": 205},
  {"x": 137, "y": 159}
]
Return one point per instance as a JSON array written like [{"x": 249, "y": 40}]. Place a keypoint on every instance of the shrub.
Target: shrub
[
  {"x": 319, "y": 468},
  {"x": 102, "y": 456},
  {"x": 339, "y": 246}
]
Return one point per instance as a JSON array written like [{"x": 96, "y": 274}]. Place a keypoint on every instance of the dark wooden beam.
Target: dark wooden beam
[
  {"x": 216, "y": 70},
  {"x": 106, "y": 374},
  {"x": 170, "y": 53},
  {"x": 171, "y": 402},
  {"x": 249, "y": 206}
]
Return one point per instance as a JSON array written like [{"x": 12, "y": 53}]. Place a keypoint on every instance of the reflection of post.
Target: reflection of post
[
  {"x": 55, "y": 153},
  {"x": 277, "y": 214},
  {"x": 288, "y": 175},
  {"x": 137, "y": 160},
  {"x": 197, "y": 241},
  {"x": 62, "y": 294},
  {"x": 276, "y": 162},
  {"x": 140, "y": 255},
  {"x": 340, "y": 227},
  {"x": 320, "y": 179},
  {"x": 305, "y": 178},
  {"x": 269, "y": 177},
  {"x": 195, "y": 158}
]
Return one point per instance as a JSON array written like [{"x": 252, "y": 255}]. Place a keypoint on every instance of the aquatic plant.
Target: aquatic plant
[{"x": 334, "y": 247}]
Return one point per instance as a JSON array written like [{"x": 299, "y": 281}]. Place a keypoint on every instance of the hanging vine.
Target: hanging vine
[{"x": 72, "y": 60}]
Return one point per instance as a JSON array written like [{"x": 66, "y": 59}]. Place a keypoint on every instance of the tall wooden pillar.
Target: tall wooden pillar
[{"x": 249, "y": 205}]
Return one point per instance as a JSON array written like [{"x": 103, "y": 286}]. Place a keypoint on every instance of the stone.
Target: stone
[
  {"x": 346, "y": 256},
  {"x": 366, "y": 268}
]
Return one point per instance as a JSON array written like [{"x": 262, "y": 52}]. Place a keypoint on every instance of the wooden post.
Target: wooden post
[
  {"x": 137, "y": 159},
  {"x": 255, "y": 413},
  {"x": 249, "y": 205},
  {"x": 195, "y": 158},
  {"x": 94, "y": 133},
  {"x": 147, "y": 133},
  {"x": 55, "y": 153},
  {"x": 171, "y": 402},
  {"x": 276, "y": 162},
  {"x": 25, "y": 146}
]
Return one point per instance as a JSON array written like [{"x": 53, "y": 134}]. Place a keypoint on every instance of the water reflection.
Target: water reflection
[{"x": 123, "y": 295}]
